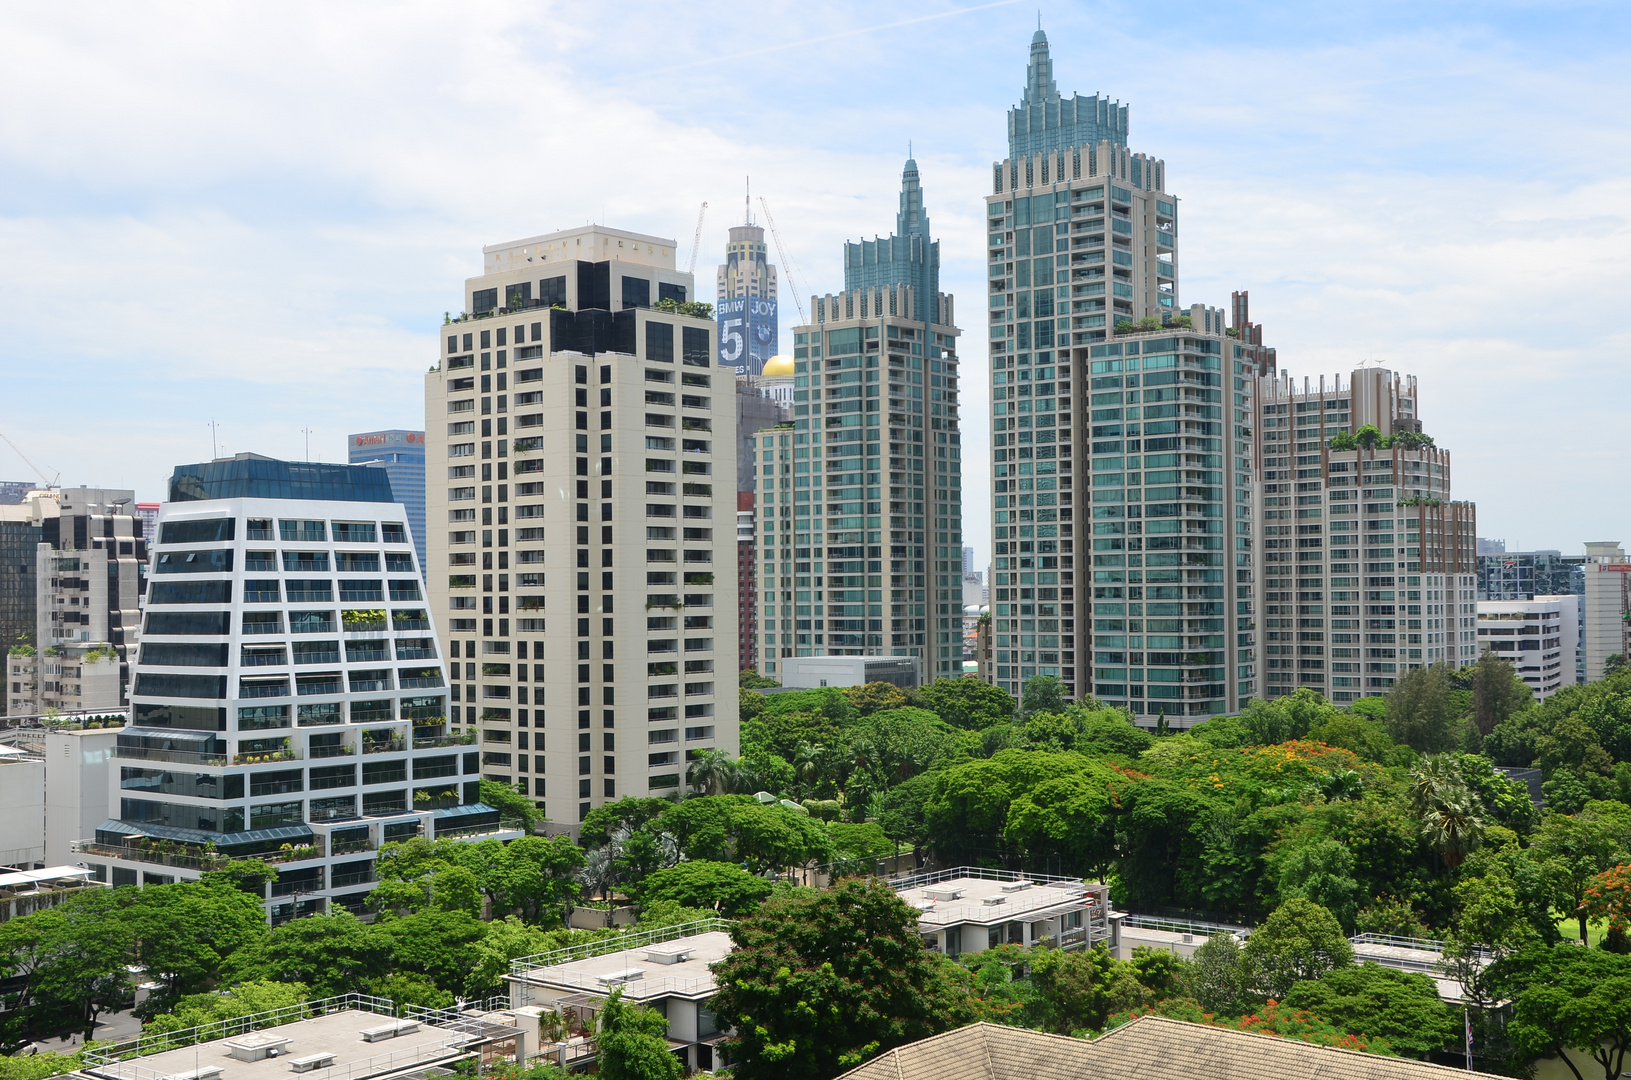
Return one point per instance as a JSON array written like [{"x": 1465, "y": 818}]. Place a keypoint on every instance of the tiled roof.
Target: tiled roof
[{"x": 1149, "y": 1048}]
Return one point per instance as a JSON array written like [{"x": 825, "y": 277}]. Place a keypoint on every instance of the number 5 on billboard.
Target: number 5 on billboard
[{"x": 730, "y": 348}]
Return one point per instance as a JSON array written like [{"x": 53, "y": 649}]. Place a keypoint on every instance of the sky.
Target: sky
[{"x": 256, "y": 213}]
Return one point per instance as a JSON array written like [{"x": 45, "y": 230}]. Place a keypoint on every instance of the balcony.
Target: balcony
[
  {"x": 360, "y": 877},
  {"x": 179, "y": 757},
  {"x": 383, "y": 746},
  {"x": 350, "y": 847},
  {"x": 342, "y": 750},
  {"x": 265, "y": 757},
  {"x": 488, "y": 828},
  {"x": 430, "y": 742}
]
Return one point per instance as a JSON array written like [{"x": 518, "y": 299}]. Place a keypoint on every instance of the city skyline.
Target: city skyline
[{"x": 1321, "y": 203}]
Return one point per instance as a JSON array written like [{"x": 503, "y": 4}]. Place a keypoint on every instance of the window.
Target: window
[
  {"x": 659, "y": 343},
  {"x": 191, "y": 592},
  {"x": 354, "y": 532},
  {"x": 636, "y": 292},
  {"x": 302, "y": 532},
  {"x": 196, "y": 532},
  {"x": 307, "y": 591},
  {"x": 393, "y": 532},
  {"x": 697, "y": 349},
  {"x": 193, "y": 562},
  {"x": 273, "y": 814},
  {"x": 551, "y": 292},
  {"x": 483, "y": 301}
]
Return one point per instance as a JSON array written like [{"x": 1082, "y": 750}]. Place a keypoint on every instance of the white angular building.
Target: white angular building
[{"x": 290, "y": 701}]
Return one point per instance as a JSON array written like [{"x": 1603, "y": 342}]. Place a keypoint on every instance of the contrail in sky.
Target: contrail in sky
[{"x": 832, "y": 37}]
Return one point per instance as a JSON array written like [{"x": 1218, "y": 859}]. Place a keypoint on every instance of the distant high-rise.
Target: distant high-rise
[
  {"x": 749, "y": 329},
  {"x": 401, "y": 454},
  {"x": 882, "y": 442},
  {"x": 1044, "y": 121},
  {"x": 909, "y": 256}
]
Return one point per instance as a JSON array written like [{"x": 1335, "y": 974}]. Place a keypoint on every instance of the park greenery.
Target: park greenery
[{"x": 1306, "y": 821}]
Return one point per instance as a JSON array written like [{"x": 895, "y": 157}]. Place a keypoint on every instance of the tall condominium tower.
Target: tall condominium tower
[
  {"x": 1367, "y": 566},
  {"x": 89, "y": 566},
  {"x": 1122, "y": 473},
  {"x": 583, "y": 543},
  {"x": 860, "y": 510},
  {"x": 749, "y": 328},
  {"x": 402, "y": 455},
  {"x": 289, "y": 701}
]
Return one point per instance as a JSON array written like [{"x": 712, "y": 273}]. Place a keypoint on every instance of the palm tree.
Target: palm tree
[
  {"x": 1454, "y": 827},
  {"x": 808, "y": 760},
  {"x": 1451, "y": 813},
  {"x": 1432, "y": 778},
  {"x": 1344, "y": 786},
  {"x": 711, "y": 772}
]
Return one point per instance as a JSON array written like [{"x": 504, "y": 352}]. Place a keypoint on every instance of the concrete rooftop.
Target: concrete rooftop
[
  {"x": 337, "y": 1033},
  {"x": 642, "y": 977},
  {"x": 1034, "y": 901}
]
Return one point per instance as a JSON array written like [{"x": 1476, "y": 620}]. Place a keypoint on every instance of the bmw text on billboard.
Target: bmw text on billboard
[{"x": 748, "y": 333}]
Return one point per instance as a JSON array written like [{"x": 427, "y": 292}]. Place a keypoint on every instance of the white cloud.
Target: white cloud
[{"x": 258, "y": 212}]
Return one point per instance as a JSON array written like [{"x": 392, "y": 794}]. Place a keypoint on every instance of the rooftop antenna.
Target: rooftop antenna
[
  {"x": 215, "y": 450},
  {"x": 307, "y": 432},
  {"x": 747, "y": 200}
]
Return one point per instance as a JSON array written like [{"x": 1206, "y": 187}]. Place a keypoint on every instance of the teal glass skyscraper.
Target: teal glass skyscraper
[
  {"x": 908, "y": 257},
  {"x": 1044, "y": 121}
]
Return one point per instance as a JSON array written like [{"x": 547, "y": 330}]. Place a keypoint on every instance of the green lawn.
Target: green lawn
[{"x": 1570, "y": 929}]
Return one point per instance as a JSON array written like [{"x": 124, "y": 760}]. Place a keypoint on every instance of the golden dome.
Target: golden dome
[{"x": 778, "y": 367}]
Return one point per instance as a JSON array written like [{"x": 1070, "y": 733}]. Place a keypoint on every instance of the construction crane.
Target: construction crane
[
  {"x": 795, "y": 280},
  {"x": 696, "y": 239},
  {"x": 50, "y": 482}
]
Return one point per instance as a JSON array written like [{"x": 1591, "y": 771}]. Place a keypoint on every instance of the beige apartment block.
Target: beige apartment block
[
  {"x": 581, "y": 509},
  {"x": 1368, "y": 566},
  {"x": 1607, "y": 604}
]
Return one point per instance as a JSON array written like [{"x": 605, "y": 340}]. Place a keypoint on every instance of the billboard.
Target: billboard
[{"x": 748, "y": 333}]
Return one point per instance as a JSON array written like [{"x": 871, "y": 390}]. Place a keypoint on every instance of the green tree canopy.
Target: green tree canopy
[
  {"x": 704, "y": 884},
  {"x": 968, "y": 703},
  {"x": 820, "y": 982},
  {"x": 1421, "y": 710},
  {"x": 1402, "y": 1007},
  {"x": 1571, "y": 1002},
  {"x": 631, "y": 1043},
  {"x": 1044, "y": 693},
  {"x": 1301, "y": 940}
]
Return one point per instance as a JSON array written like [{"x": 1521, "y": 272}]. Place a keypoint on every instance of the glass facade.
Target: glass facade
[
  {"x": 248, "y": 476},
  {"x": 402, "y": 455}
]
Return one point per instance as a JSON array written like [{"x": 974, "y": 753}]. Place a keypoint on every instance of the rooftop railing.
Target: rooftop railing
[
  {"x": 105, "y": 1054},
  {"x": 620, "y": 943}
]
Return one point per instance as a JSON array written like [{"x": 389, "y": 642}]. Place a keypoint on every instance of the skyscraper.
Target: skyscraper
[
  {"x": 860, "y": 503},
  {"x": 590, "y": 454},
  {"x": 402, "y": 455},
  {"x": 749, "y": 327},
  {"x": 1083, "y": 239},
  {"x": 909, "y": 256},
  {"x": 1046, "y": 122},
  {"x": 290, "y": 701},
  {"x": 1366, "y": 563}
]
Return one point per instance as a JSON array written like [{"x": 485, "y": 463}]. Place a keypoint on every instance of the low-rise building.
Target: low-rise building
[
  {"x": 970, "y": 909},
  {"x": 22, "y": 794},
  {"x": 812, "y": 672},
  {"x": 1537, "y": 637},
  {"x": 23, "y": 892},
  {"x": 670, "y": 970},
  {"x": 354, "y": 1037}
]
